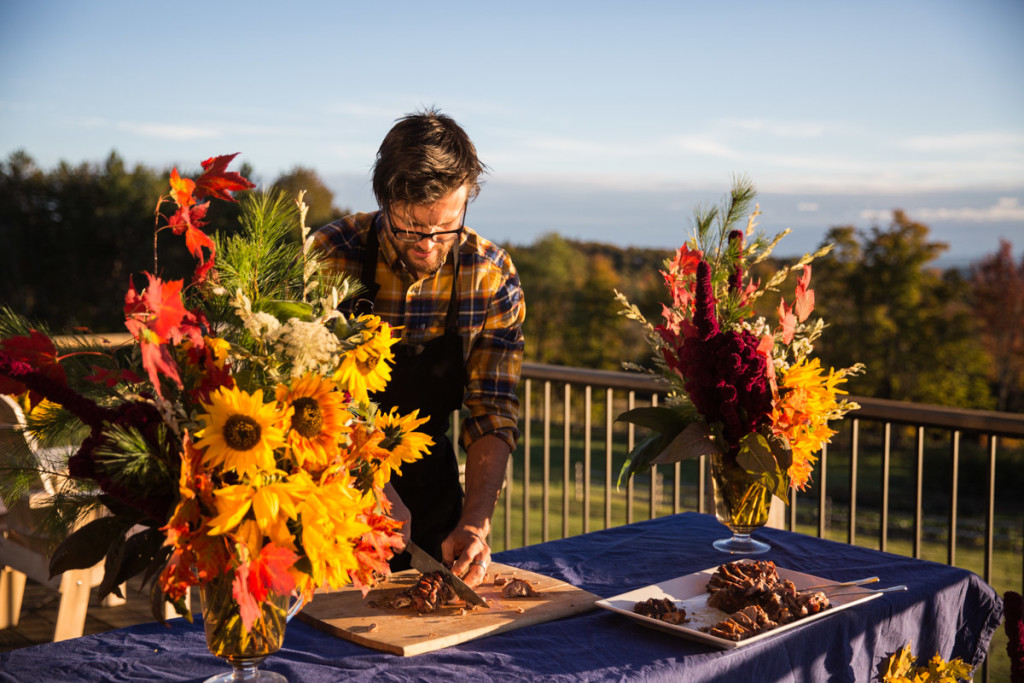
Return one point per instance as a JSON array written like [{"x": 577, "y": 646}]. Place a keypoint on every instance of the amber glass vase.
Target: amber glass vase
[
  {"x": 741, "y": 503},
  {"x": 227, "y": 637}
]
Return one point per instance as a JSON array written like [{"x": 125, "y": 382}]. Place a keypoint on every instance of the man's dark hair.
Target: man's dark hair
[{"x": 424, "y": 157}]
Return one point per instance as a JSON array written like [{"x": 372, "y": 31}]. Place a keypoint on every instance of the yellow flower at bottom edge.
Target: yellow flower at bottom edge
[
  {"x": 318, "y": 419},
  {"x": 366, "y": 367},
  {"x": 240, "y": 431}
]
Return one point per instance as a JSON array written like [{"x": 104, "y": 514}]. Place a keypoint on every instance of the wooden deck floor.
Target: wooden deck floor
[{"x": 39, "y": 615}]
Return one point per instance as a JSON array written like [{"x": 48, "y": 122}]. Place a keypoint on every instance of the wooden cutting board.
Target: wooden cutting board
[{"x": 347, "y": 614}]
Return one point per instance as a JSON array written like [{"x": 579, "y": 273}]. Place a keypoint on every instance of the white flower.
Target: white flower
[{"x": 310, "y": 345}]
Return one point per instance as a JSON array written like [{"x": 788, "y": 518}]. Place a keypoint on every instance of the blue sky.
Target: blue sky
[{"x": 599, "y": 120}]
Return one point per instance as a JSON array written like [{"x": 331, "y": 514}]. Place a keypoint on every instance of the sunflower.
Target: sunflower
[
  {"x": 366, "y": 368},
  {"x": 318, "y": 419},
  {"x": 807, "y": 401},
  {"x": 333, "y": 521},
  {"x": 240, "y": 431},
  {"x": 401, "y": 440},
  {"x": 272, "y": 502}
]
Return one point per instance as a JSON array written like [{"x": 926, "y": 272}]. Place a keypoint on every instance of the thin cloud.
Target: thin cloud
[
  {"x": 779, "y": 129},
  {"x": 964, "y": 142},
  {"x": 1005, "y": 209},
  {"x": 703, "y": 144},
  {"x": 169, "y": 131}
]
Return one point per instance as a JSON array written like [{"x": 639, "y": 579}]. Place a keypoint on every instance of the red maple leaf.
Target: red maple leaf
[
  {"x": 37, "y": 350},
  {"x": 248, "y": 604},
  {"x": 181, "y": 190},
  {"x": 217, "y": 181},
  {"x": 787, "y": 321},
  {"x": 804, "y": 297},
  {"x": 155, "y": 317},
  {"x": 269, "y": 572},
  {"x": 189, "y": 220}
]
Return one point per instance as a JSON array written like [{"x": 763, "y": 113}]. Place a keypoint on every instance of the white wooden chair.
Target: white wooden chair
[{"x": 25, "y": 549}]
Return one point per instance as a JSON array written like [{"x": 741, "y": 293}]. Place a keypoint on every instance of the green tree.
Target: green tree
[
  {"x": 73, "y": 237},
  {"x": 551, "y": 274},
  {"x": 904, "y": 320},
  {"x": 317, "y": 196}
]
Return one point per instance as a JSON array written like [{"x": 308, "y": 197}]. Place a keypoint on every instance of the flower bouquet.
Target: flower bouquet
[
  {"x": 741, "y": 390},
  {"x": 232, "y": 445}
]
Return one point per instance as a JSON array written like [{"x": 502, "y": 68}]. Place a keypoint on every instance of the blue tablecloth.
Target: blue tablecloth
[{"x": 946, "y": 610}]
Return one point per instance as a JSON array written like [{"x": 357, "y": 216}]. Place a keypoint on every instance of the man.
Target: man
[{"x": 455, "y": 300}]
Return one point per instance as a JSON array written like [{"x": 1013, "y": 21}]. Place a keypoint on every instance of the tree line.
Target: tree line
[{"x": 73, "y": 236}]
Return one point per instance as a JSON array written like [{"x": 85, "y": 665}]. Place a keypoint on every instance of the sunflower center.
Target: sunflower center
[
  {"x": 370, "y": 364},
  {"x": 307, "y": 419},
  {"x": 241, "y": 432}
]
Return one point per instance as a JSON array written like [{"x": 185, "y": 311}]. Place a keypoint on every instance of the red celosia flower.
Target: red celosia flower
[
  {"x": 725, "y": 374},
  {"x": 39, "y": 352}
]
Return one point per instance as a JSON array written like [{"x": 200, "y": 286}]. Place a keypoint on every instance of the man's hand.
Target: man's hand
[
  {"x": 468, "y": 554},
  {"x": 399, "y": 512}
]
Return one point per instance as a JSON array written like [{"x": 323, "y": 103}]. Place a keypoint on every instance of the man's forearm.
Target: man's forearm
[{"x": 486, "y": 463}]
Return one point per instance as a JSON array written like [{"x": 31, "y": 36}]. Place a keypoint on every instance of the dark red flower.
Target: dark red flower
[{"x": 725, "y": 375}]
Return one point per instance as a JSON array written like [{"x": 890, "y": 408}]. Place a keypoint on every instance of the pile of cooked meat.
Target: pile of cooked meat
[
  {"x": 429, "y": 594},
  {"x": 663, "y": 609},
  {"x": 757, "y": 599}
]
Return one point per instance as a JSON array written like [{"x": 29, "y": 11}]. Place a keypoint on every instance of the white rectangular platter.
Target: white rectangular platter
[{"x": 689, "y": 593}]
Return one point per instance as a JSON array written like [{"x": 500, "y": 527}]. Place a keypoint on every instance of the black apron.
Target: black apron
[{"x": 432, "y": 378}]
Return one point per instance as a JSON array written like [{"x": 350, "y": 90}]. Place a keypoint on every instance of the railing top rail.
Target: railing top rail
[{"x": 926, "y": 415}]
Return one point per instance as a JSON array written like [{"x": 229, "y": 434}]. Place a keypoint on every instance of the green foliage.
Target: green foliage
[
  {"x": 911, "y": 327},
  {"x": 571, "y": 317}
]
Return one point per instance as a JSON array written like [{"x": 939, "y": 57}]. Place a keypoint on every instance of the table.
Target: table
[{"x": 946, "y": 609}]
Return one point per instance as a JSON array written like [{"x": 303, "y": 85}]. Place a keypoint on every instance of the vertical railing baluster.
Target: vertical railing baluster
[
  {"x": 823, "y": 492},
  {"x": 655, "y": 489},
  {"x": 566, "y": 457},
  {"x": 526, "y": 461},
  {"x": 702, "y": 489},
  {"x": 546, "y": 486},
  {"x": 954, "y": 494},
  {"x": 677, "y": 485},
  {"x": 883, "y": 530},
  {"x": 629, "y": 482},
  {"x": 587, "y": 406},
  {"x": 990, "y": 514},
  {"x": 851, "y": 534},
  {"x": 919, "y": 494},
  {"x": 509, "y": 478},
  {"x": 608, "y": 409},
  {"x": 791, "y": 517}
]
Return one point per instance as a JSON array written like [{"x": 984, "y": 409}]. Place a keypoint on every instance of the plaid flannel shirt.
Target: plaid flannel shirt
[{"x": 491, "y": 312}]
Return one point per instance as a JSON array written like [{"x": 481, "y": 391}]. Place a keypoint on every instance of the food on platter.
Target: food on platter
[
  {"x": 429, "y": 594},
  {"x": 663, "y": 609},
  {"x": 757, "y": 599},
  {"x": 518, "y": 588}
]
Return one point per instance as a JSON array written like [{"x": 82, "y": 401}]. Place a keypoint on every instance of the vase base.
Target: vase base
[
  {"x": 261, "y": 676},
  {"x": 740, "y": 544}
]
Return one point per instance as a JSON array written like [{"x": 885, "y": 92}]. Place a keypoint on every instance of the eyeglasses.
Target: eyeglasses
[{"x": 413, "y": 236}]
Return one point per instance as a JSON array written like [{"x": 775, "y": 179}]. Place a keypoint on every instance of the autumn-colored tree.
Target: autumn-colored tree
[
  {"x": 907, "y": 323},
  {"x": 997, "y": 288}
]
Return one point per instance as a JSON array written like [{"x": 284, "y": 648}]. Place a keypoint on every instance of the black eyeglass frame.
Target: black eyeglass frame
[{"x": 404, "y": 235}]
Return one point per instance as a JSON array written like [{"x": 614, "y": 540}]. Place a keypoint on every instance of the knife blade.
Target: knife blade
[{"x": 425, "y": 562}]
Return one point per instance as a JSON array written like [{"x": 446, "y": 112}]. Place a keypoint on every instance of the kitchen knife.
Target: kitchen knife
[{"x": 424, "y": 562}]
